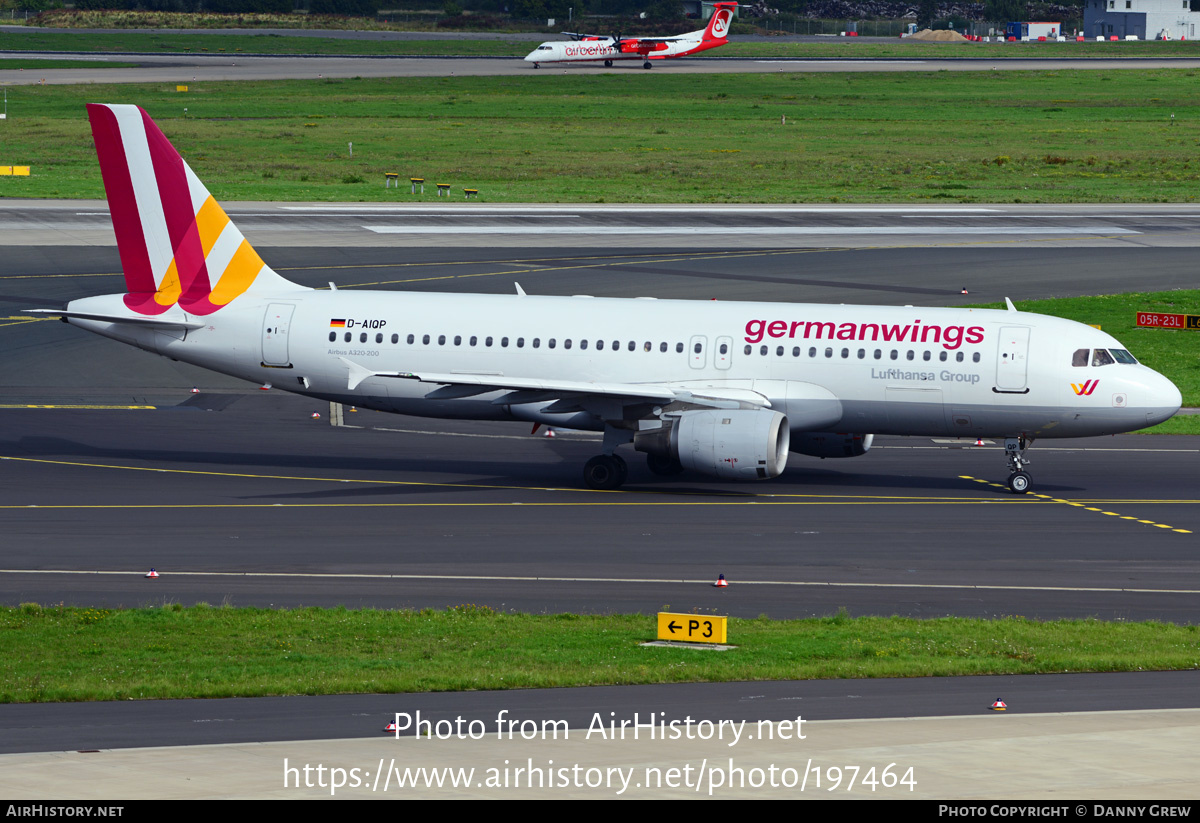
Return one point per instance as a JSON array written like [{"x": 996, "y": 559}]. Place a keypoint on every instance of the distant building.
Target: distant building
[{"x": 1148, "y": 19}]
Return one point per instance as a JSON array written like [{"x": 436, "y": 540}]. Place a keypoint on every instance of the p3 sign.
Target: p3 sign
[{"x": 692, "y": 628}]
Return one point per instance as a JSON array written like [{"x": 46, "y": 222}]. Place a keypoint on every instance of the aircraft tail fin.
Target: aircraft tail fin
[
  {"x": 177, "y": 245},
  {"x": 721, "y": 20}
]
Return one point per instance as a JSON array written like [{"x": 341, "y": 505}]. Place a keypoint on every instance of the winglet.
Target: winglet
[
  {"x": 520, "y": 291},
  {"x": 1011, "y": 307}
]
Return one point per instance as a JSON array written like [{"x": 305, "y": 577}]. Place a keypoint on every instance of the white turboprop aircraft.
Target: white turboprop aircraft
[
  {"x": 590, "y": 48},
  {"x": 720, "y": 388}
]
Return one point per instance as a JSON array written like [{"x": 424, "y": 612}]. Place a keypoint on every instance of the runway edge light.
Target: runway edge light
[
  {"x": 721, "y": 583},
  {"x": 998, "y": 706},
  {"x": 152, "y": 574}
]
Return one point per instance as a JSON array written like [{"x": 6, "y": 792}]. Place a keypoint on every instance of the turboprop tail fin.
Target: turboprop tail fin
[{"x": 177, "y": 246}]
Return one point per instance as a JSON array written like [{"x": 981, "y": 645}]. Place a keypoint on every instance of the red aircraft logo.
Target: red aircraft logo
[{"x": 1085, "y": 389}]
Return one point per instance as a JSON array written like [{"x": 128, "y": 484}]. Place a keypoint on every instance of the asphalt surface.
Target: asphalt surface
[{"x": 93, "y": 497}]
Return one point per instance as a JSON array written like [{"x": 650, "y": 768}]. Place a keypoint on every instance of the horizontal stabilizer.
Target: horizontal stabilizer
[{"x": 157, "y": 322}]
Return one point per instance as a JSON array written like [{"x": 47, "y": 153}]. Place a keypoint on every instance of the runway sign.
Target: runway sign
[
  {"x": 1158, "y": 320},
  {"x": 692, "y": 628}
]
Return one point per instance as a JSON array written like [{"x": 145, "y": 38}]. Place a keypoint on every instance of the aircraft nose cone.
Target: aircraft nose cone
[{"x": 1165, "y": 399}]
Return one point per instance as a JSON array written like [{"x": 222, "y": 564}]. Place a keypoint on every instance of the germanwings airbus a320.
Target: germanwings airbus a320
[
  {"x": 590, "y": 48},
  {"x": 725, "y": 389}
]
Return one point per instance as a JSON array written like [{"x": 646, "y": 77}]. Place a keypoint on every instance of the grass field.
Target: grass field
[
  {"x": 69, "y": 654},
  {"x": 1048, "y": 136},
  {"x": 35, "y": 39}
]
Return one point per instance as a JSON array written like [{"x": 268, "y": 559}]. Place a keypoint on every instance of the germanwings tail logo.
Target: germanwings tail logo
[
  {"x": 177, "y": 245},
  {"x": 1085, "y": 389}
]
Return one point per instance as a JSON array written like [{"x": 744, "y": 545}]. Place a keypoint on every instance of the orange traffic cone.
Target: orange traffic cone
[
  {"x": 152, "y": 574},
  {"x": 964, "y": 290},
  {"x": 195, "y": 390},
  {"x": 316, "y": 415},
  {"x": 265, "y": 387},
  {"x": 721, "y": 583},
  {"x": 550, "y": 433},
  {"x": 998, "y": 706},
  {"x": 978, "y": 441}
]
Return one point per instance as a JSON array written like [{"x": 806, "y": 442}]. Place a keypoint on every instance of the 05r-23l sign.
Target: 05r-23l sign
[{"x": 1159, "y": 320}]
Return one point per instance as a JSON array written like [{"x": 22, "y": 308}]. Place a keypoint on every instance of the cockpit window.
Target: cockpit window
[
  {"x": 1100, "y": 357},
  {"x": 1080, "y": 357},
  {"x": 1123, "y": 356}
]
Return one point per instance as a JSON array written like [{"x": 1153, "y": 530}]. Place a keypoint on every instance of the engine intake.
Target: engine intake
[{"x": 736, "y": 444}]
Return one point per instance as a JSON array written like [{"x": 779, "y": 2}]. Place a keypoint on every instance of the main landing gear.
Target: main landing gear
[
  {"x": 608, "y": 64},
  {"x": 605, "y": 472},
  {"x": 536, "y": 66},
  {"x": 646, "y": 65},
  {"x": 1019, "y": 480}
]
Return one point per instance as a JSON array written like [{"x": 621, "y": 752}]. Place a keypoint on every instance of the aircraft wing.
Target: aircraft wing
[{"x": 576, "y": 394}]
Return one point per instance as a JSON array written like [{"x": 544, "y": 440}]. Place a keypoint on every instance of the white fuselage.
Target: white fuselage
[
  {"x": 868, "y": 369},
  {"x": 606, "y": 49}
]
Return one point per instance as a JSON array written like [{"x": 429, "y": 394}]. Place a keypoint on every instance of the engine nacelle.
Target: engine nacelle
[
  {"x": 832, "y": 444},
  {"x": 736, "y": 444}
]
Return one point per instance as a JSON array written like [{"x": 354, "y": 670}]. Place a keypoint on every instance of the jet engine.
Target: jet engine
[
  {"x": 832, "y": 444},
  {"x": 736, "y": 444}
]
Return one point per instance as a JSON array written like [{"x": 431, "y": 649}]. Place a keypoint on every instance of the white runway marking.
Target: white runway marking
[{"x": 749, "y": 230}]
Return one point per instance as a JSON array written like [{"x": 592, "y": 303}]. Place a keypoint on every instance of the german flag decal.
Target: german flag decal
[{"x": 337, "y": 324}]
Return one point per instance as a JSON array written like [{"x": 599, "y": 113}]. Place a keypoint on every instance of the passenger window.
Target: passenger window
[
  {"x": 487, "y": 341},
  {"x": 812, "y": 352},
  {"x": 551, "y": 344},
  {"x": 895, "y": 354},
  {"x": 862, "y": 353},
  {"x": 943, "y": 356},
  {"x": 679, "y": 348},
  {"x": 829, "y": 352},
  {"x": 795, "y": 351},
  {"x": 583, "y": 344},
  {"x": 474, "y": 340},
  {"x": 975, "y": 357},
  {"x": 362, "y": 338},
  {"x": 441, "y": 339},
  {"x": 878, "y": 354},
  {"x": 647, "y": 346},
  {"x": 412, "y": 339},
  {"x": 347, "y": 337},
  {"x": 1080, "y": 358},
  {"x": 504, "y": 342},
  {"x": 1100, "y": 357},
  {"x": 567, "y": 343},
  {"x": 724, "y": 348},
  {"x": 632, "y": 345},
  {"x": 395, "y": 339},
  {"x": 599, "y": 345},
  {"x": 332, "y": 336},
  {"x": 958, "y": 357},
  {"x": 520, "y": 342},
  {"x": 537, "y": 342},
  {"x": 379, "y": 337},
  {"x": 458, "y": 339},
  {"x": 749, "y": 348},
  {"x": 662, "y": 347},
  {"x": 762, "y": 350},
  {"x": 779, "y": 351},
  {"x": 911, "y": 354},
  {"x": 845, "y": 353},
  {"x": 697, "y": 348},
  {"x": 928, "y": 355}
]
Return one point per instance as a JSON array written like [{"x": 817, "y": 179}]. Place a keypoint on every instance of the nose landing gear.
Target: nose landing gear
[{"x": 1019, "y": 480}]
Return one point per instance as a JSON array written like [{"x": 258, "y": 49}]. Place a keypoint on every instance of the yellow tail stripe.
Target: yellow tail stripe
[
  {"x": 238, "y": 275},
  {"x": 210, "y": 222},
  {"x": 170, "y": 288}
]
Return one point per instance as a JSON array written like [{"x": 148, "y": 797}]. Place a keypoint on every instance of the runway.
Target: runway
[
  {"x": 185, "y": 68},
  {"x": 112, "y": 465}
]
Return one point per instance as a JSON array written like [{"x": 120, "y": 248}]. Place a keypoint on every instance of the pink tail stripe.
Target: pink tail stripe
[{"x": 127, "y": 224}]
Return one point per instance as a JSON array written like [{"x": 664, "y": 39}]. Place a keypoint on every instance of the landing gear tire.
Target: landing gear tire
[
  {"x": 1019, "y": 482},
  {"x": 608, "y": 64},
  {"x": 663, "y": 466},
  {"x": 646, "y": 65},
  {"x": 535, "y": 65},
  {"x": 605, "y": 472}
]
